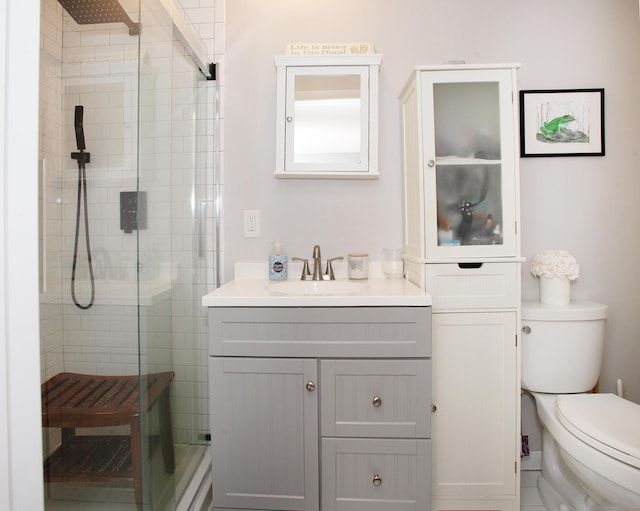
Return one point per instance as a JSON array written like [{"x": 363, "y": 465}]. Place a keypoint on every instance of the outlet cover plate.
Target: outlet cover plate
[{"x": 251, "y": 223}]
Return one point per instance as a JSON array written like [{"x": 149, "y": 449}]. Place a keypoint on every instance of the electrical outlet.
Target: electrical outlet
[{"x": 251, "y": 223}]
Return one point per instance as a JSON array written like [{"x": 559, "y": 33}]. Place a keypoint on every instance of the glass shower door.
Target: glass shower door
[{"x": 174, "y": 255}]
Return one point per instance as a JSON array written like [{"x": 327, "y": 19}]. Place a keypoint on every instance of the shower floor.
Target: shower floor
[{"x": 118, "y": 496}]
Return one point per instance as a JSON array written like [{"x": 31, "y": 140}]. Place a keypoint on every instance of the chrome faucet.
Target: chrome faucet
[
  {"x": 317, "y": 266},
  {"x": 317, "y": 263}
]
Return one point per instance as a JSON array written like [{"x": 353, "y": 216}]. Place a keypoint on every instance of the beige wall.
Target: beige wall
[{"x": 586, "y": 205}]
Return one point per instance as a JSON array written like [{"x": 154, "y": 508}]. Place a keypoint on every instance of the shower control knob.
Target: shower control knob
[{"x": 526, "y": 329}]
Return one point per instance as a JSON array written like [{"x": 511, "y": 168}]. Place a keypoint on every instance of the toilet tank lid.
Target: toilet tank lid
[
  {"x": 575, "y": 311},
  {"x": 604, "y": 421}
]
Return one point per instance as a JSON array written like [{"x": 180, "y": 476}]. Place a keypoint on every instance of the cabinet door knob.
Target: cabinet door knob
[
  {"x": 377, "y": 480},
  {"x": 431, "y": 163},
  {"x": 526, "y": 329},
  {"x": 377, "y": 401},
  {"x": 289, "y": 119},
  {"x": 311, "y": 386},
  {"x": 434, "y": 408}
]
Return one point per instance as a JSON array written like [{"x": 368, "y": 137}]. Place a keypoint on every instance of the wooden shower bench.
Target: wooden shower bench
[{"x": 71, "y": 400}]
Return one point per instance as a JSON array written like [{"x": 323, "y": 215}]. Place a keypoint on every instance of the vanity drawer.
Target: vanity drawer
[
  {"x": 320, "y": 331},
  {"x": 376, "y": 474},
  {"x": 473, "y": 286},
  {"x": 376, "y": 398}
]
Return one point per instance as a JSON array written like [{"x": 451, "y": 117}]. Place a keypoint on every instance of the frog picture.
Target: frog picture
[
  {"x": 562, "y": 122},
  {"x": 558, "y": 130}
]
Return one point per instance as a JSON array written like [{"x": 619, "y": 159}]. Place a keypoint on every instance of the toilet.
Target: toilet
[{"x": 590, "y": 441}]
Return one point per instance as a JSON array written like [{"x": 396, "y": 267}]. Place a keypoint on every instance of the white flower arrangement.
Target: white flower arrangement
[{"x": 555, "y": 264}]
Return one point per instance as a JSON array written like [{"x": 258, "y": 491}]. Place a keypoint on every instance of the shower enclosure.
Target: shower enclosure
[{"x": 148, "y": 119}]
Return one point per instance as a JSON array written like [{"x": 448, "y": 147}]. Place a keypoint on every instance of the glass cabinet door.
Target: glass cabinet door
[{"x": 470, "y": 166}]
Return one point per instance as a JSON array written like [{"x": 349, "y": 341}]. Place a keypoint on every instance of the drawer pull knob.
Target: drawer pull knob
[
  {"x": 434, "y": 408},
  {"x": 377, "y": 401},
  {"x": 377, "y": 480},
  {"x": 311, "y": 386}
]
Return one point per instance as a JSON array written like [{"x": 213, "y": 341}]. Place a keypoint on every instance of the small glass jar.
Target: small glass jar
[{"x": 358, "y": 266}]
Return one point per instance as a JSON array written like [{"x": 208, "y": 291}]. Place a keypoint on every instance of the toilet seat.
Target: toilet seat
[{"x": 604, "y": 421}]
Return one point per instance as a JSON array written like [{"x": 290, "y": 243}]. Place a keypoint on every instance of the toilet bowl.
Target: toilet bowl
[
  {"x": 590, "y": 442},
  {"x": 589, "y": 464}
]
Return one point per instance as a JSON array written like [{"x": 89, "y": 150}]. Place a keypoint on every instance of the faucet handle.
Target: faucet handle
[
  {"x": 305, "y": 267},
  {"x": 329, "y": 270}
]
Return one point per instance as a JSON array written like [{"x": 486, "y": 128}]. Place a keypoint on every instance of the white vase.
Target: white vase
[{"x": 555, "y": 291}]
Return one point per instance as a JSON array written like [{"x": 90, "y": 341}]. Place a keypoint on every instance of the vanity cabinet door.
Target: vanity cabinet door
[
  {"x": 475, "y": 391},
  {"x": 265, "y": 433}
]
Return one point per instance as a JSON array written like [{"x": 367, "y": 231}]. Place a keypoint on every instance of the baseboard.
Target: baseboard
[{"x": 532, "y": 462}]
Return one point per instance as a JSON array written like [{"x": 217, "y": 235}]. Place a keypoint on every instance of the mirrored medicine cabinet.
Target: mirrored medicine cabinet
[{"x": 327, "y": 116}]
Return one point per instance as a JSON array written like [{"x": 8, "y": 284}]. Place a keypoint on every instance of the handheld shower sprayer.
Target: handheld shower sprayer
[
  {"x": 77, "y": 122},
  {"x": 80, "y": 156}
]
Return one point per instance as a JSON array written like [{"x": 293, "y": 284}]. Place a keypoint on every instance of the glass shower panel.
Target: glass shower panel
[
  {"x": 152, "y": 194},
  {"x": 468, "y": 167},
  {"x": 89, "y": 86},
  {"x": 148, "y": 126}
]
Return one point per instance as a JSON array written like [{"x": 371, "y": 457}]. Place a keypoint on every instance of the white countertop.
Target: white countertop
[{"x": 261, "y": 292}]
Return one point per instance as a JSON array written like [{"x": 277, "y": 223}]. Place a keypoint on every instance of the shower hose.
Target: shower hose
[{"x": 83, "y": 158}]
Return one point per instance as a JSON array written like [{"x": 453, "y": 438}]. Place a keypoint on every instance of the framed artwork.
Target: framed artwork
[{"x": 562, "y": 122}]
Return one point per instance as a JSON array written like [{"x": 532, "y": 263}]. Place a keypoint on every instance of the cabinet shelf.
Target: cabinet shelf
[{"x": 457, "y": 160}]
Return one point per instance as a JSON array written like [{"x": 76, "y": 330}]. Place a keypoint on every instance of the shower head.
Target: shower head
[{"x": 88, "y": 12}]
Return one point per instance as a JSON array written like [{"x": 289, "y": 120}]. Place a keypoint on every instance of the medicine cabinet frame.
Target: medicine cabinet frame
[{"x": 359, "y": 162}]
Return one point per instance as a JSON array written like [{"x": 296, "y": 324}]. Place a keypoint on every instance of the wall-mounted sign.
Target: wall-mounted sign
[{"x": 329, "y": 48}]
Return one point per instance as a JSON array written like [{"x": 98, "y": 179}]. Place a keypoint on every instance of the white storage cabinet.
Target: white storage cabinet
[{"x": 462, "y": 244}]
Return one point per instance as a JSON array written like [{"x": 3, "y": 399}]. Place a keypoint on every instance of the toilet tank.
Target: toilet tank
[{"x": 562, "y": 346}]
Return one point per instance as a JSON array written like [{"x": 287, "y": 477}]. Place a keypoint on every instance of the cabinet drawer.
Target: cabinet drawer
[
  {"x": 376, "y": 475},
  {"x": 487, "y": 286},
  {"x": 320, "y": 331},
  {"x": 376, "y": 398}
]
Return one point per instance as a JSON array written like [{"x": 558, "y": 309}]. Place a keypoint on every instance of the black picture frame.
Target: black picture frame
[{"x": 562, "y": 122}]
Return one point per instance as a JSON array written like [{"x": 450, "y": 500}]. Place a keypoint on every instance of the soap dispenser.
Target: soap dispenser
[{"x": 278, "y": 263}]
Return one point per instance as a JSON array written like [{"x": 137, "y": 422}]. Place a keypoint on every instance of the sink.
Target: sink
[{"x": 316, "y": 288}]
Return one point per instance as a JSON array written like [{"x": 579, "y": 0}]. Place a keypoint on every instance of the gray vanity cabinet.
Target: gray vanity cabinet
[{"x": 339, "y": 418}]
